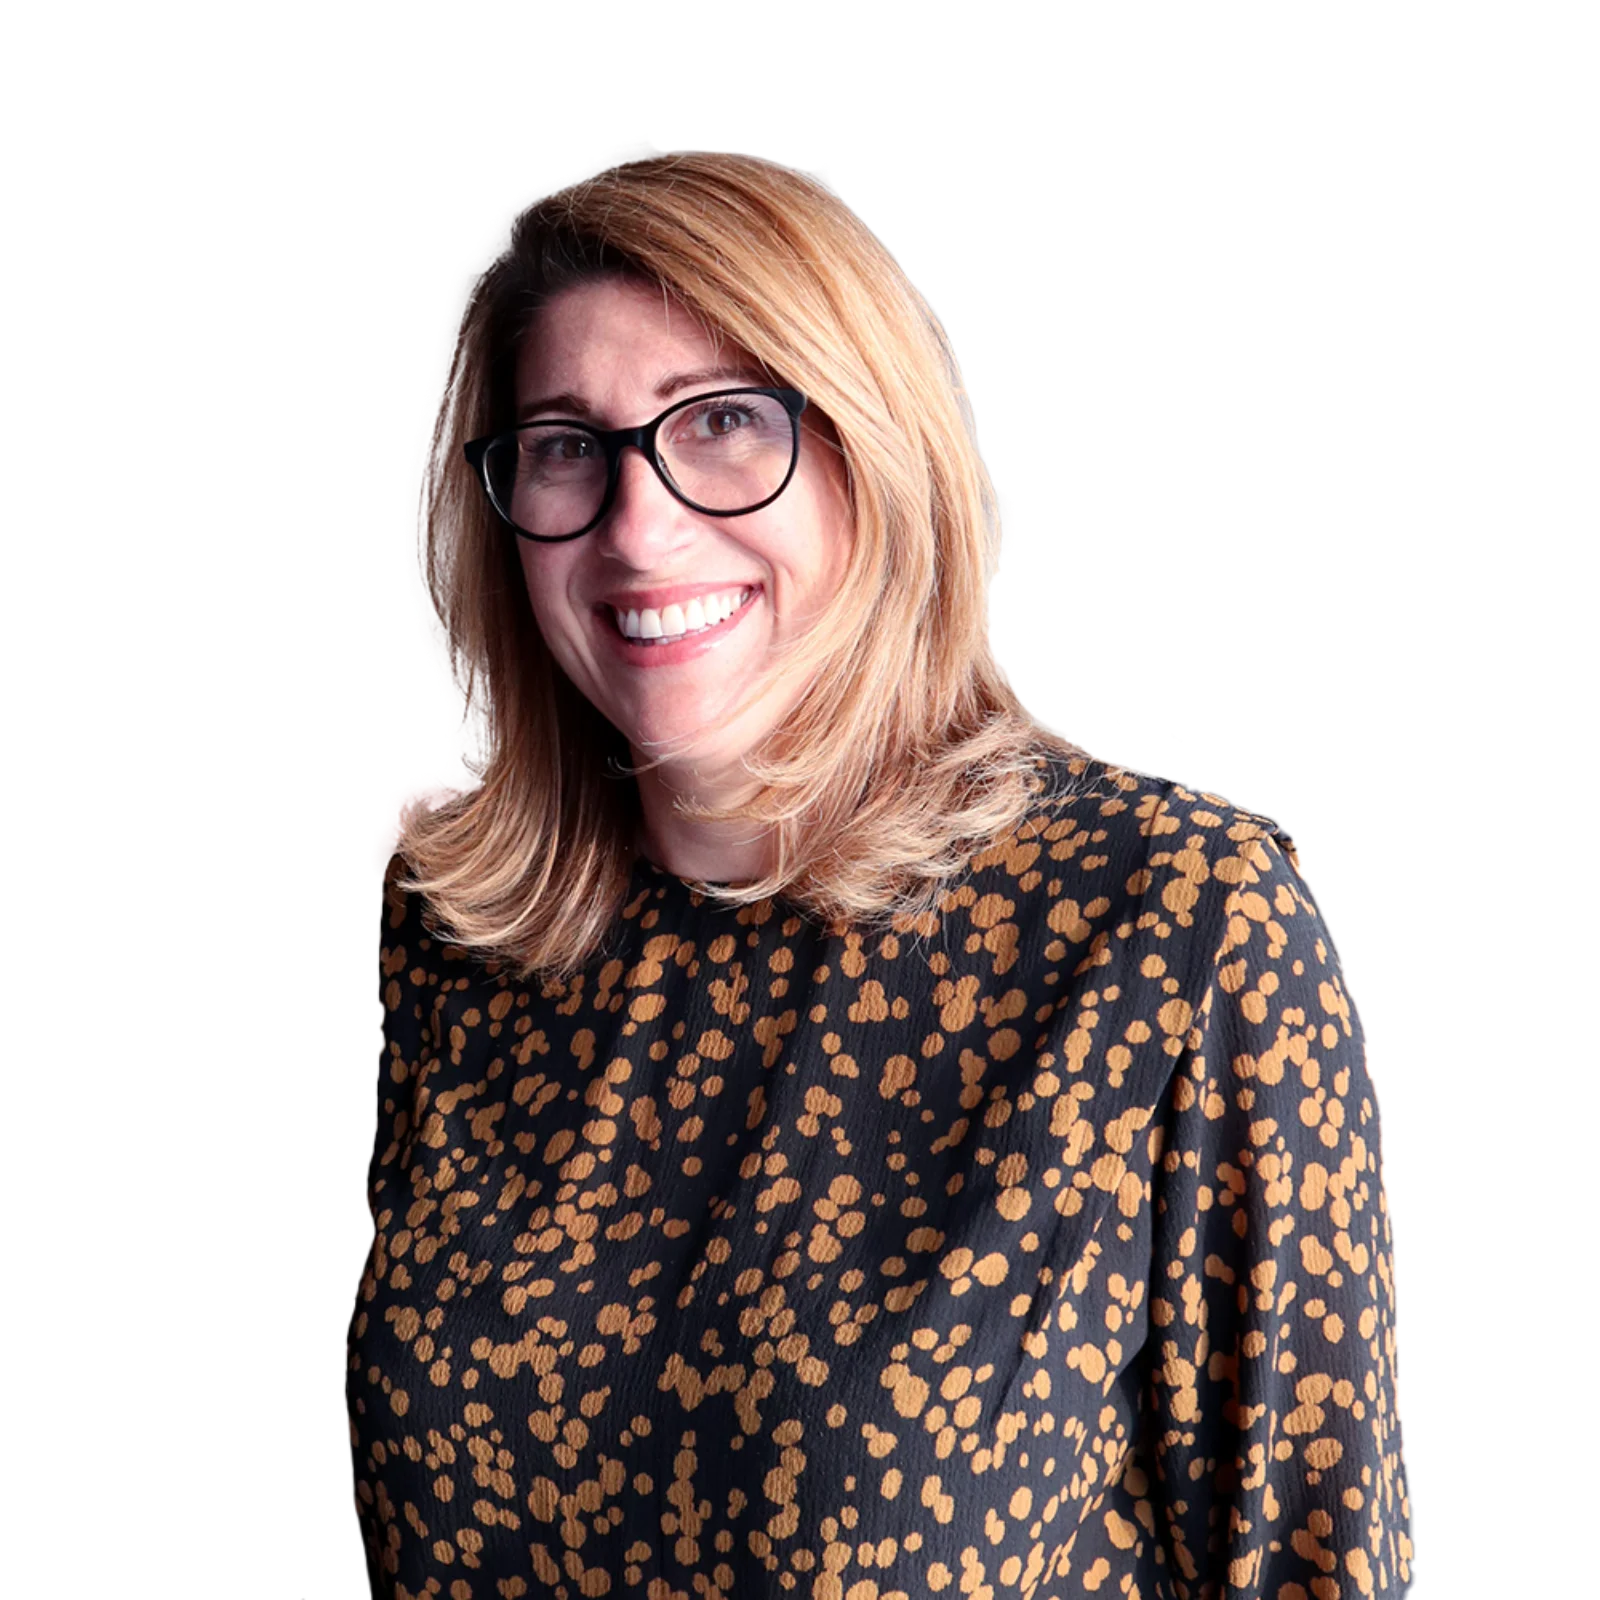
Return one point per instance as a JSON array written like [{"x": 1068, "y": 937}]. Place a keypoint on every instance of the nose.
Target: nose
[
  {"x": 647, "y": 528},
  {"x": 636, "y": 472},
  {"x": 642, "y": 500}
]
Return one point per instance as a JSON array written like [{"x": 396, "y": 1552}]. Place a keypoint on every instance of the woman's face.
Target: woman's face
[{"x": 616, "y": 353}]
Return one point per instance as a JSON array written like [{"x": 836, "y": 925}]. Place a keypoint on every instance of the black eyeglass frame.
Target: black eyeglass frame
[{"x": 613, "y": 441}]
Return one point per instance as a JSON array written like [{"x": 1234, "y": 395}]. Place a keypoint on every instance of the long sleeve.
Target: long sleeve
[
  {"x": 1273, "y": 1443},
  {"x": 408, "y": 988}
]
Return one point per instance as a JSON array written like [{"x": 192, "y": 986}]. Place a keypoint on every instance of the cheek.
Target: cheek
[
  {"x": 540, "y": 573},
  {"x": 546, "y": 583},
  {"x": 832, "y": 531},
  {"x": 810, "y": 554},
  {"x": 832, "y": 508}
]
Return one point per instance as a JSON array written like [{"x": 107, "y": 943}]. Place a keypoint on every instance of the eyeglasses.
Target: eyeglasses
[{"x": 722, "y": 454}]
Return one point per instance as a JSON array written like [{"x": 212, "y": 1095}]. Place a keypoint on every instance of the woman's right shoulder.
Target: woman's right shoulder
[{"x": 431, "y": 796}]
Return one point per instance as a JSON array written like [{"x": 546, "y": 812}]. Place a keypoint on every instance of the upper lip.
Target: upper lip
[{"x": 669, "y": 594}]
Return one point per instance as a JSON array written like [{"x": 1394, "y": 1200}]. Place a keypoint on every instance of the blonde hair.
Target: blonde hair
[{"x": 907, "y": 750}]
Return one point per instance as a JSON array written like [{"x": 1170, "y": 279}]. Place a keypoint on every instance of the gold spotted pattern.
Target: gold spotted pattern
[{"x": 1037, "y": 1247}]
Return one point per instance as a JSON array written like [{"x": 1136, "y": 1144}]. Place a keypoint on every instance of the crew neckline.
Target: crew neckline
[{"x": 654, "y": 869}]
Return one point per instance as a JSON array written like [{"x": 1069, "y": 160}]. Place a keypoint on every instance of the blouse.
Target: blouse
[{"x": 1036, "y": 1246}]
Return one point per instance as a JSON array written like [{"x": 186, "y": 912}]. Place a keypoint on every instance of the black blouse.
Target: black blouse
[{"x": 1039, "y": 1247}]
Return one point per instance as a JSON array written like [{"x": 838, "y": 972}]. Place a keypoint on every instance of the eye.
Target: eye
[
  {"x": 722, "y": 419},
  {"x": 733, "y": 412},
  {"x": 552, "y": 447}
]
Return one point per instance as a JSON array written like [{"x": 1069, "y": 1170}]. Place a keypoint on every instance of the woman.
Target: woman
[{"x": 834, "y": 1136}]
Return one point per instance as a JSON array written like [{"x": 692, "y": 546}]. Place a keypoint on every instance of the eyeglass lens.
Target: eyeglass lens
[{"x": 724, "y": 453}]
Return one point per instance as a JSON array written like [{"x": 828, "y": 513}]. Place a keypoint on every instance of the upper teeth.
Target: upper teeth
[{"x": 670, "y": 622}]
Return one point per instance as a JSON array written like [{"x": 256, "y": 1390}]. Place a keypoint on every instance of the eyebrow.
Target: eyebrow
[{"x": 569, "y": 404}]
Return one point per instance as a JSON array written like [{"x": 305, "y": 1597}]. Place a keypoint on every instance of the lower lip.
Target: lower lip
[{"x": 646, "y": 653}]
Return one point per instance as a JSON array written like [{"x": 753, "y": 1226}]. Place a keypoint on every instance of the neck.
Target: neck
[{"x": 718, "y": 852}]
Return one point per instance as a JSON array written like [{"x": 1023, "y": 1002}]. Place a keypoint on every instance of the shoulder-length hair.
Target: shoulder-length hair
[{"x": 907, "y": 750}]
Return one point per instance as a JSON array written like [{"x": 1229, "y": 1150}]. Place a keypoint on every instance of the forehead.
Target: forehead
[{"x": 618, "y": 334}]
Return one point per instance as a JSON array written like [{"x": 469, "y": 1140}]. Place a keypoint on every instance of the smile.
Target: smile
[
  {"x": 682, "y": 647},
  {"x": 702, "y": 614}
]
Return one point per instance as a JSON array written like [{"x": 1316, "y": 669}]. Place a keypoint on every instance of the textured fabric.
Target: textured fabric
[{"x": 1040, "y": 1248}]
